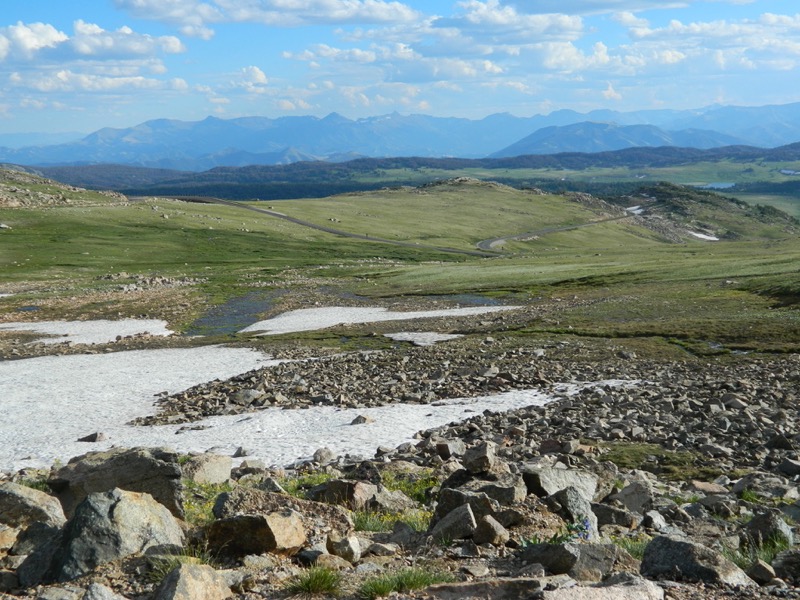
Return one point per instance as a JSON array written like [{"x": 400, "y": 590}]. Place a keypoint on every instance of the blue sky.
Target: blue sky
[{"x": 80, "y": 66}]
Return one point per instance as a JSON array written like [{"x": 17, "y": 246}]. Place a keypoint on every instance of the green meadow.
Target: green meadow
[{"x": 614, "y": 279}]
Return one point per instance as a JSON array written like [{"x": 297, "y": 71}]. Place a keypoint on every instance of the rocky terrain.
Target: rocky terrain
[{"x": 682, "y": 484}]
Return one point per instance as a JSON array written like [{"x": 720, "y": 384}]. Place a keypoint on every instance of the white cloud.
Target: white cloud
[
  {"x": 192, "y": 16},
  {"x": 254, "y": 75},
  {"x": 196, "y": 18},
  {"x": 92, "y": 40},
  {"x": 611, "y": 94},
  {"x": 565, "y": 56},
  {"x": 27, "y": 40},
  {"x": 671, "y": 57},
  {"x": 65, "y": 80}
]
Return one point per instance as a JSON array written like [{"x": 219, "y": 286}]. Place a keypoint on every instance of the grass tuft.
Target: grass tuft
[
  {"x": 163, "y": 565},
  {"x": 405, "y": 580},
  {"x": 633, "y": 545},
  {"x": 316, "y": 581},
  {"x": 419, "y": 520},
  {"x": 199, "y": 498},
  {"x": 416, "y": 486},
  {"x": 746, "y": 554}
]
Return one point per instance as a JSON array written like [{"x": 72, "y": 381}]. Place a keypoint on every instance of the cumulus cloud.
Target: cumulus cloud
[
  {"x": 27, "y": 40},
  {"x": 611, "y": 94},
  {"x": 196, "y": 17},
  {"x": 66, "y": 80},
  {"x": 254, "y": 75},
  {"x": 91, "y": 40},
  {"x": 588, "y": 7}
]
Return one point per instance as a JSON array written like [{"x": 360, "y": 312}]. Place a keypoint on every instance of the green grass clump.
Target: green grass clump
[
  {"x": 316, "y": 581},
  {"x": 633, "y": 545},
  {"x": 414, "y": 485},
  {"x": 199, "y": 498},
  {"x": 751, "y": 496},
  {"x": 746, "y": 554},
  {"x": 297, "y": 486},
  {"x": 407, "y": 580},
  {"x": 419, "y": 520},
  {"x": 37, "y": 483},
  {"x": 675, "y": 466},
  {"x": 162, "y": 565}
]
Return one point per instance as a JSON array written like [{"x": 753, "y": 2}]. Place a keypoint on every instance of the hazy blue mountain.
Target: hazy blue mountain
[
  {"x": 591, "y": 136},
  {"x": 200, "y": 145},
  {"x": 21, "y": 140}
]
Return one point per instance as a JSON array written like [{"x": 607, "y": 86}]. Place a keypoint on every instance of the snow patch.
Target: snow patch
[
  {"x": 422, "y": 338},
  {"x": 51, "y": 401},
  {"x": 89, "y": 332},
  {"x": 310, "y": 319},
  {"x": 703, "y": 236},
  {"x": 46, "y": 408},
  {"x": 636, "y": 210}
]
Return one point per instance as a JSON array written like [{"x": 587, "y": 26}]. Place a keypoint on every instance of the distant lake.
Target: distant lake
[{"x": 717, "y": 185}]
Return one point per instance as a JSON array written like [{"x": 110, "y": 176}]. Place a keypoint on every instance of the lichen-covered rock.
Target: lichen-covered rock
[
  {"x": 686, "y": 560},
  {"x": 208, "y": 468},
  {"x": 279, "y": 532},
  {"x": 193, "y": 582},
  {"x": 153, "y": 471},
  {"x": 106, "y": 526},
  {"x": 20, "y": 506}
]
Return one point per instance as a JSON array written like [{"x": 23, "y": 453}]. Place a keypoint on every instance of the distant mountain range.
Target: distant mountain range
[{"x": 212, "y": 142}]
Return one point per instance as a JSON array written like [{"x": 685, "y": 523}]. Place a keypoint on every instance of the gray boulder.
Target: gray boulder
[
  {"x": 787, "y": 564},
  {"x": 480, "y": 458},
  {"x": 450, "y": 499},
  {"x": 584, "y": 562},
  {"x": 637, "y": 496},
  {"x": 347, "y": 547},
  {"x": 97, "y": 591},
  {"x": 106, "y": 526},
  {"x": 20, "y": 506},
  {"x": 507, "y": 489},
  {"x": 635, "y": 589},
  {"x": 767, "y": 527},
  {"x": 153, "y": 471},
  {"x": 208, "y": 468},
  {"x": 682, "y": 559},
  {"x": 279, "y": 532},
  {"x": 489, "y": 531},
  {"x": 545, "y": 481},
  {"x": 574, "y": 508},
  {"x": 355, "y": 495},
  {"x": 455, "y": 525},
  {"x": 193, "y": 582}
]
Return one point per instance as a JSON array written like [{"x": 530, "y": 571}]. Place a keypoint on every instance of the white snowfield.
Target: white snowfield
[
  {"x": 310, "y": 319},
  {"x": 703, "y": 236},
  {"x": 88, "y": 332},
  {"x": 49, "y": 402}
]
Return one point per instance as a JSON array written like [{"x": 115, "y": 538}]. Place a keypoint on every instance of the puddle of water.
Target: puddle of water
[
  {"x": 235, "y": 314},
  {"x": 27, "y": 309},
  {"x": 471, "y": 299}
]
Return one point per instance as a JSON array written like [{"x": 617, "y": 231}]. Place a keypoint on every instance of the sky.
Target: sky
[{"x": 80, "y": 66}]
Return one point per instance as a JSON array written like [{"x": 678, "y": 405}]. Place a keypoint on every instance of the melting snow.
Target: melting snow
[
  {"x": 703, "y": 236},
  {"x": 89, "y": 332},
  {"x": 422, "y": 338},
  {"x": 310, "y": 319}
]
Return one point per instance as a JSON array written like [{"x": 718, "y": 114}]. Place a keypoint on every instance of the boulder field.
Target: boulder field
[{"x": 682, "y": 484}]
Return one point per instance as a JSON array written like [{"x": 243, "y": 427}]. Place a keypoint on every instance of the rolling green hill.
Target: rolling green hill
[{"x": 581, "y": 265}]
